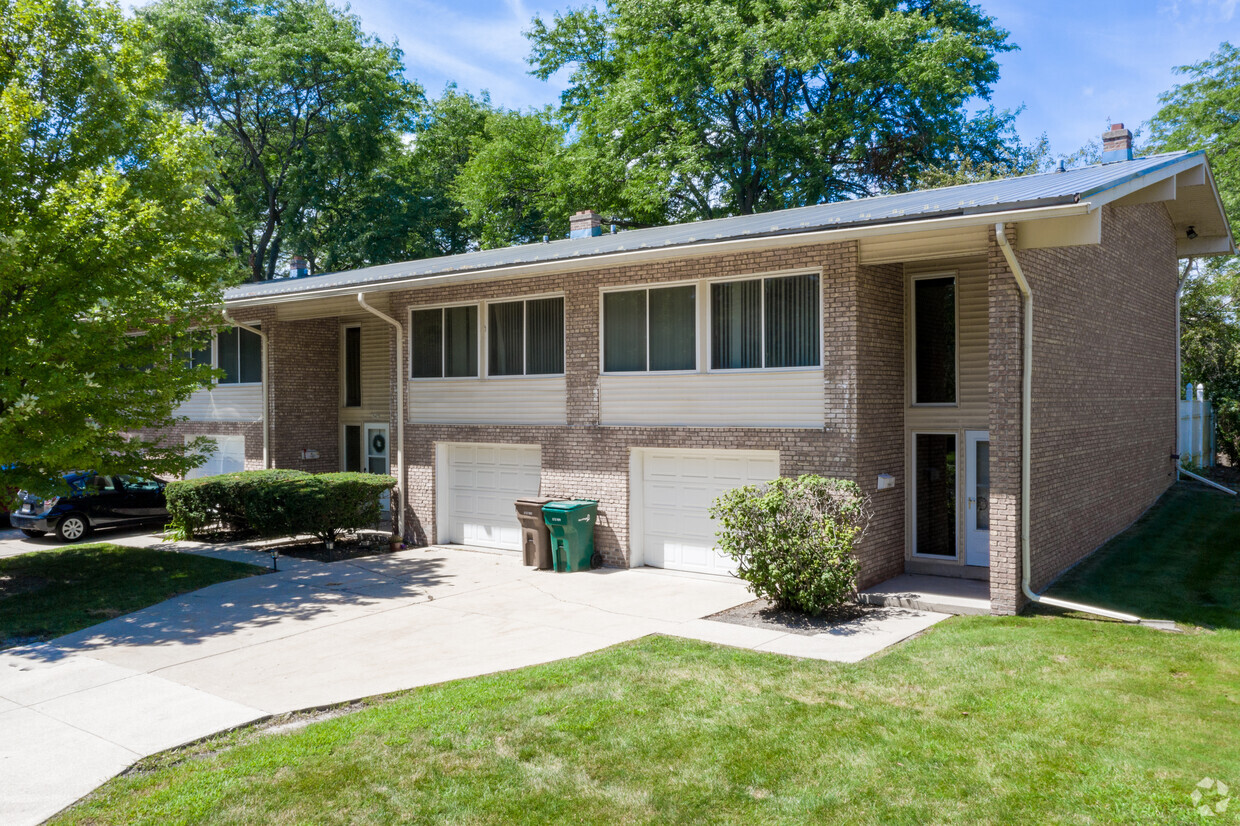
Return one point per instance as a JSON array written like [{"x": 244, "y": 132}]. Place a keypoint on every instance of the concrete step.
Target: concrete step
[{"x": 946, "y": 595}]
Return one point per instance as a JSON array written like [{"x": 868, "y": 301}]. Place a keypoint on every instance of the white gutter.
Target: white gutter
[
  {"x": 693, "y": 247},
  {"x": 400, "y": 415},
  {"x": 266, "y": 390},
  {"x": 1179, "y": 365},
  {"x": 1026, "y": 429}
]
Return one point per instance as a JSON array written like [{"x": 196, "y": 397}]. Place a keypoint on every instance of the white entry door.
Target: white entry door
[
  {"x": 672, "y": 500},
  {"x": 478, "y": 488},
  {"x": 977, "y": 498},
  {"x": 377, "y": 456}
]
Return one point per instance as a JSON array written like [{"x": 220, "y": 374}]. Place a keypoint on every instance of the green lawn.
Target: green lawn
[
  {"x": 1031, "y": 719},
  {"x": 1181, "y": 561},
  {"x": 49, "y": 593}
]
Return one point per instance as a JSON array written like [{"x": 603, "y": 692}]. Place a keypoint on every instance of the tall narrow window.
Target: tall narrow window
[
  {"x": 650, "y": 330},
  {"x": 934, "y": 340},
  {"x": 240, "y": 356},
  {"x": 765, "y": 322},
  {"x": 444, "y": 343},
  {"x": 352, "y": 366}
]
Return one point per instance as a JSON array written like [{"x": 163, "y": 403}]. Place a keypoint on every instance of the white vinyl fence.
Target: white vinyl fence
[{"x": 1196, "y": 433}]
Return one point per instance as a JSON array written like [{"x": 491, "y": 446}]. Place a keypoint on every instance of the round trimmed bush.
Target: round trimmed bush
[{"x": 793, "y": 539}]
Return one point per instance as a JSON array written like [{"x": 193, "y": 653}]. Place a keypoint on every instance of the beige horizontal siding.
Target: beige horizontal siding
[
  {"x": 518, "y": 400},
  {"x": 767, "y": 399},
  {"x": 376, "y": 371},
  {"x": 225, "y": 403},
  {"x": 948, "y": 243}
]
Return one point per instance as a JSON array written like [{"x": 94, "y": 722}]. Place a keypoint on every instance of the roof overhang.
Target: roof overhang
[
  {"x": 682, "y": 251},
  {"x": 1184, "y": 185}
]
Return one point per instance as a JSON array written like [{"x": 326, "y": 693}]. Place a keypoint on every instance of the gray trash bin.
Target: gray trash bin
[{"x": 535, "y": 538}]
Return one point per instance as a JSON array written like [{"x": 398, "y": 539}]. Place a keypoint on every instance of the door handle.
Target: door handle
[{"x": 971, "y": 501}]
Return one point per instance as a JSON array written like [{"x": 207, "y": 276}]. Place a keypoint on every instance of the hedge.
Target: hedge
[{"x": 276, "y": 503}]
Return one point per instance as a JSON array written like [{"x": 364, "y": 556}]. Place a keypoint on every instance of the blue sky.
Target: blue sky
[{"x": 1080, "y": 63}]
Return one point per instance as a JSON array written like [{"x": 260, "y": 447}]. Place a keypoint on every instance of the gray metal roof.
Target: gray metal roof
[{"x": 1025, "y": 192}]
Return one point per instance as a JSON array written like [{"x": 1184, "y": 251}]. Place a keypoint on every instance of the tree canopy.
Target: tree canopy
[
  {"x": 1204, "y": 113},
  {"x": 104, "y": 234},
  {"x": 743, "y": 106},
  {"x": 302, "y": 106}
]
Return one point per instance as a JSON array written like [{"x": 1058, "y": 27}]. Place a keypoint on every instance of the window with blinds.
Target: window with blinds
[
  {"x": 765, "y": 323},
  {"x": 443, "y": 343},
  {"x": 240, "y": 356},
  {"x": 525, "y": 338},
  {"x": 650, "y": 330}
]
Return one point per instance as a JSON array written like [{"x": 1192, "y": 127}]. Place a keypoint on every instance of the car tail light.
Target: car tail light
[{"x": 48, "y": 504}]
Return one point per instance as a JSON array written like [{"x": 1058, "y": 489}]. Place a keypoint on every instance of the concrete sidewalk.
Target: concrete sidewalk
[{"x": 80, "y": 709}]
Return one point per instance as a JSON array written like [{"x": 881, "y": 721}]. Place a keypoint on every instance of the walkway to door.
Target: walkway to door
[{"x": 943, "y": 594}]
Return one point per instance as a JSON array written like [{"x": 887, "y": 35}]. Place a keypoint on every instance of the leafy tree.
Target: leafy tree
[
  {"x": 512, "y": 188},
  {"x": 104, "y": 231},
  {"x": 1204, "y": 113},
  {"x": 403, "y": 209},
  {"x": 742, "y": 106},
  {"x": 1019, "y": 160},
  {"x": 301, "y": 104}
]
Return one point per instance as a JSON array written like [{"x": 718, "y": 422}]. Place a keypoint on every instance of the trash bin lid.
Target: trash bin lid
[
  {"x": 567, "y": 505},
  {"x": 536, "y": 500}
]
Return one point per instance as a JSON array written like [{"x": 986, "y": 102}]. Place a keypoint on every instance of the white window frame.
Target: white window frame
[
  {"x": 632, "y": 288},
  {"x": 485, "y": 356},
  {"x": 483, "y": 341},
  {"x": 763, "y": 276},
  {"x": 912, "y": 490},
  {"x": 215, "y": 358},
  {"x": 911, "y": 350}
]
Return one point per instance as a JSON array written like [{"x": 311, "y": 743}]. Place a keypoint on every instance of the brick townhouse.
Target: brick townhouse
[{"x": 880, "y": 339}]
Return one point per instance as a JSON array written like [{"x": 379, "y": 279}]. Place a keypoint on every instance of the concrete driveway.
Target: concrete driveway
[{"x": 78, "y": 710}]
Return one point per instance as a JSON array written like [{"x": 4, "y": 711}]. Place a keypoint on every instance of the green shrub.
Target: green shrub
[
  {"x": 276, "y": 503},
  {"x": 793, "y": 539}
]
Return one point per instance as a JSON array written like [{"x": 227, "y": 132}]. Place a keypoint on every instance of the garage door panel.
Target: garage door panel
[
  {"x": 676, "y": 492},
  {"x": 482, "y": 482}
]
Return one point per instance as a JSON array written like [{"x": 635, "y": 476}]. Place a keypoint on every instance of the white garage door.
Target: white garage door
[
  {"x": 229, "y": 457},
  {"x": 482, "y": 483},
  {"x": 674, "y": 497}
]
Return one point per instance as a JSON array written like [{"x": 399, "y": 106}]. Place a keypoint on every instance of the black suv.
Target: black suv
[{"x": 97, "y": 501}]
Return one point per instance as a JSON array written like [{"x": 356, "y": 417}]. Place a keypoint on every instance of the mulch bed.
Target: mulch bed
[
  {"x": 350, "y": 548},
  {"x": 762, "y": 613}
]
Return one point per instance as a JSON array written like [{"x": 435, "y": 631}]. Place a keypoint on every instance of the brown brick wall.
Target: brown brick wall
[
  {"x": 1104, "y": 384},
  {"x": 305, "y": 392},
  {"x": 880, "y": 416},
  {"x": 1006, "y": 325},
  {"x": 584, "y": 459}
]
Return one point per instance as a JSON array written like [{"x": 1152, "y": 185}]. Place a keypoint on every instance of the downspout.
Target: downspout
[
  {"x": 1179, "y": 365},
  {"x": 400, "y": 408},
  {"x": 1026, "y": 429},
  {"x": 266, "y": 390}
]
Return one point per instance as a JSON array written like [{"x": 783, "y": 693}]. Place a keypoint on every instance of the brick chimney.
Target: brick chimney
[
  {"x": 1116, "y": 144},
  {"x": 585, "y": 224},
  {"x": 298, "y": 267}
]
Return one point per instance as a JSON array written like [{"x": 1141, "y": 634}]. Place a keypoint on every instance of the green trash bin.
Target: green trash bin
[{"x": 571, "y": 524}]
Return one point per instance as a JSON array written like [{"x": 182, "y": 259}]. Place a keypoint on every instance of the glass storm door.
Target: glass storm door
[
  {"x": 977, "y": 498},
  {"x": 377, "y": 455}
]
